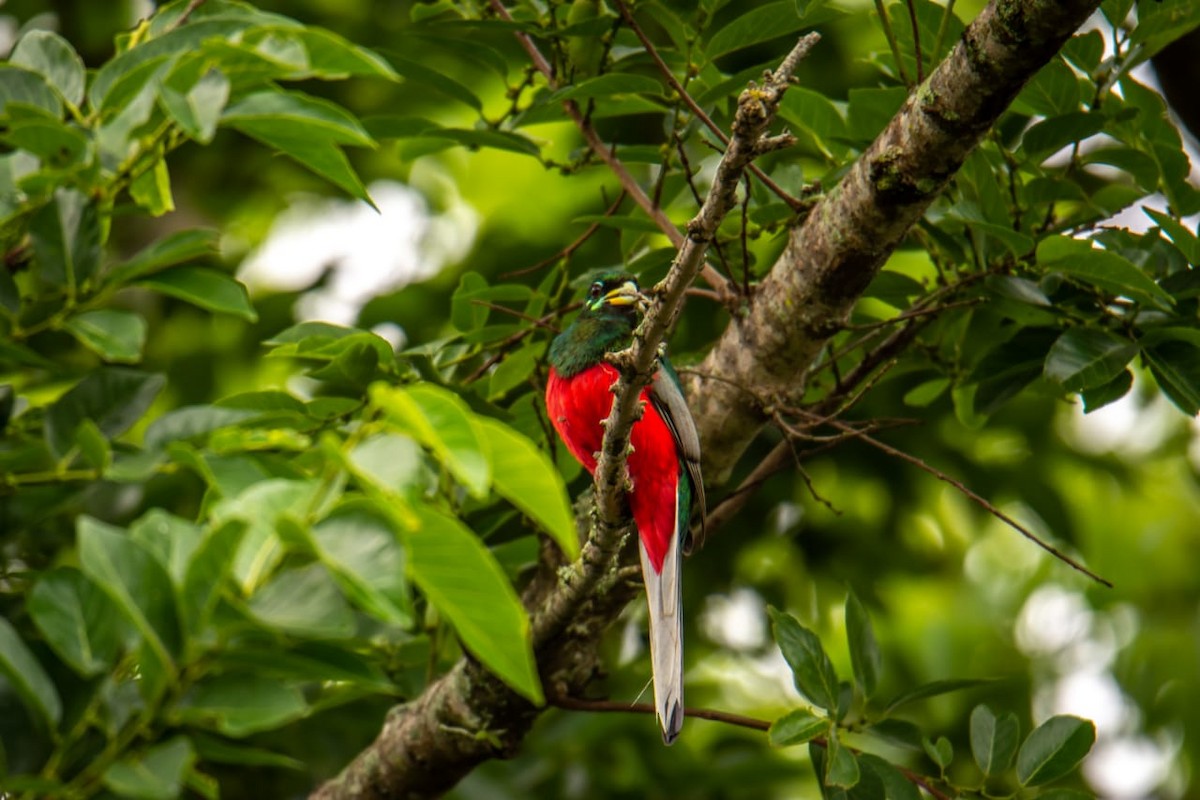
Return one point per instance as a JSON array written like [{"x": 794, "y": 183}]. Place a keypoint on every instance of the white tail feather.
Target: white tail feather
[{"x": 666, "y": 637}]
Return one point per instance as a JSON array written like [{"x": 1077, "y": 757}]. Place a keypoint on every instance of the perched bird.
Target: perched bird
[{"x": 664, "y": 464}]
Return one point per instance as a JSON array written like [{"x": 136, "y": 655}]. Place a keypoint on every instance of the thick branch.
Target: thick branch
[{"x": 834, "y": 254}]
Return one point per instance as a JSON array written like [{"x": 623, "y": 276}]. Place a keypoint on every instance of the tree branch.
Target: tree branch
[{"x": 832, "y": 257}]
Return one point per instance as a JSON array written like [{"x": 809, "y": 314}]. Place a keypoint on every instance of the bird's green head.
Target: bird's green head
[
  {"x": 614, "y": 294},
  {"x": 610, "y": 313}
]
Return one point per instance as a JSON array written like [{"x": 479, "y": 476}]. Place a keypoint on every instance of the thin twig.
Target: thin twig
[
  {"x": 975, "y": 498},
  {"x": 187, "y": 12},
  {"x": 892, "y": 42},
  {"x": 570, "y": 249},
  {"x": 665, "y": 70},
  {"x": 513, "y": 340},
  {"x": 947, "y": 13},
  {"x": 913, "y": 313},
  {"x": 613, "y": 706},
  {"x": 916, "y": 32}
]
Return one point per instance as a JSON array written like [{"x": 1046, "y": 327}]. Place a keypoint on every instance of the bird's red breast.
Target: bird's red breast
[{"x": 577, "y": 406}]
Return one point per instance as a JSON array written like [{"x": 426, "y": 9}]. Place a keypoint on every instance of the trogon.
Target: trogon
[{"x": 664, "y": 463}]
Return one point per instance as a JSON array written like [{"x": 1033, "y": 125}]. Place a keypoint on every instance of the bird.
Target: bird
[{"x": 663, "y": 464}]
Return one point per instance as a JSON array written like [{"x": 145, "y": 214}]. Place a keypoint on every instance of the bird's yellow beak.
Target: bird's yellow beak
[{"x": 626, "y": 294}]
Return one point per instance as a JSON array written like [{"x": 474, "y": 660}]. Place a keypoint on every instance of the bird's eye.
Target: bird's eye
[{"x": 596, "y": 290}]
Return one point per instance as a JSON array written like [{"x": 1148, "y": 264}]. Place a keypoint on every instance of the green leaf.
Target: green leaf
[
  {"x": 57, "y": 143},
  {"x": 1176, "y": 367},
  {"x": 797, "y": 727},
  {"x": 241, "y": 704},
  {"x": 464, "y": 582},
  {"x": 933, "y": 689},
  {"x": 191, "y": 422},
  {"x": 1101, "y": 268},
  {"x": 304, "y": 602},
  {"x": 275, "y": 112},
  {"x": 66, "y": 238},
  {"x": 173, "y": 540},
  {"x": 219, "y": 751},
  {"x": 169, "y": 251},
  {"x": 895, "y": 785},
  {"x": 864, "y": 652},
  {"x": 391, "y": 461},
  {"x": 440, "y": 421},
  {"x": 206, "y": 288},
  {"x": 764, "y": 23},
  {"x": 814, "y": 112},
  {"x": 18, "y": 85},
  {"x": 208, "y": 571},
  {"x": 926, "y": 392},
  {"x": 515, "y": 370},
  {"x": 870, "y": 110},
  {"x": 151, "y": 190},
  {"x": 1054, "y": 90},
  {"x": 305, "y": 129},
  {"x": 1184, "y": 240},
  {"x": 136, "y": 582},
  {"x": 842, "y": 768},
  {"x": 940, "y": 752},
  {"x": 1053, "y": 749},
  {"x": 1085, "y": 358},
  {"x": 93, "y": 447},
  {"x": 332, "y": 57},
  {"x": 525, "y": 476},
  {"x": 311, "y": 661},
  {"x": 812, "y": 670},
  {"x": 27, "y": 677},
  {"x": 198, "y": 109},
  {"x": 361, "y": 549},
  {"x": 496, "y": 140},
  {"x": 79, "y": 622},
  {"x": 157, "y": 774},
  {"x": 113, "y": 398},
  {"x": 612, "y": 83},
  {"x": 112, "y": 334},
  {"x": 1051, "y": 135},
  {"x": 993, "y": 739},
  {"x": 438, "y": 81},
  {"x": 52, "y": 56},
  {"x": 1110, "y": 392}
]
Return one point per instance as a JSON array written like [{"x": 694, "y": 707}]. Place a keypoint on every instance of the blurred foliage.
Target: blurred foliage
[{"x": 232, "y": 538}]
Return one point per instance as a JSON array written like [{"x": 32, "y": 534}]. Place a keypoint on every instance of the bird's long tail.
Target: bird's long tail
[{"x": 666, "y": 637}]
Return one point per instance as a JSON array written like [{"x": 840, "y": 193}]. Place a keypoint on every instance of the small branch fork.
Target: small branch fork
[{"x": 756, "y": 109}]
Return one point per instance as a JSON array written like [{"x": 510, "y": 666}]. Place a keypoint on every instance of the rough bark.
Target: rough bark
[{"x": 468, "y": 716}]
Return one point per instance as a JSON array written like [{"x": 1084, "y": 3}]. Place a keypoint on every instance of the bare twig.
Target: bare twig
[
  {"x": 612, "y": 706},
  {"x": 973, "y": 497},
  {"x": 570, "y": 249},
  {"x": 187, "y": 12},
  {"x": 890, "y": 34},
  {"x": 916, "y": 32}
]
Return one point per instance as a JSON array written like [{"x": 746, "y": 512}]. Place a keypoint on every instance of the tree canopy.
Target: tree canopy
[{"x": 280, "y": 509}]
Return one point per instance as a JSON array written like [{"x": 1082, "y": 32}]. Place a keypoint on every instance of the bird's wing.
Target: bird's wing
[{"x": 672, "y": 407}]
